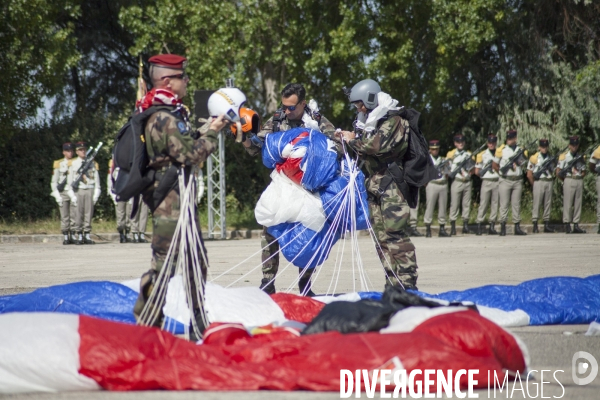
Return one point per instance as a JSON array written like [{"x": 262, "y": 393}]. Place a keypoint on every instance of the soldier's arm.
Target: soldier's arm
[
  {"x": 387, "y": 137},
  {"x": 54, "y": 180},
  {"x": 167, "y": 139},
  {"x": 252, "y": 148},
  {"x": 327, "y": 128}
]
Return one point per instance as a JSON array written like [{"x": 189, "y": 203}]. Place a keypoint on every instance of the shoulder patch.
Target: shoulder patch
[
  {"x": 479, "y": 158},
  {"x": 70, "y": 162},
  {"x": 451, "y": 153},
  {"x": 562, "y": 156},
  {"x": 499, "y": 151},
  {"x": 97, "y": 166},
  {"x": 56, "y": 164},
  {"x": 181, "y": 126},
  {"x": 110, "y": 163},
  {"x": 534, "y": 158},
  {"x": 596, "y": 153}
]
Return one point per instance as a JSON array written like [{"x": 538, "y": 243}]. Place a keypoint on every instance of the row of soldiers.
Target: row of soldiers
[
  {"x": 76, "y": 202},
  {"x": 502, "y": 170}
]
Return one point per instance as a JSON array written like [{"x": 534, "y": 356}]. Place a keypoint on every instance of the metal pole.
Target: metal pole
[{"x": 217, "y": 226}]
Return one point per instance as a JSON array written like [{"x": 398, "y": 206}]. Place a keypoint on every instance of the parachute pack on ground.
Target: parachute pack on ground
[{"x": 313, "y": 197}]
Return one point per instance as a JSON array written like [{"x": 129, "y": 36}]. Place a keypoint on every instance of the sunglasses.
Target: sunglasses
[
  {"x": 182, "y": 76},
  {"x": 291, "y": 108}
]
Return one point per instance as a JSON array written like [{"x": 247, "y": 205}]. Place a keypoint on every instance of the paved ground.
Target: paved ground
[{"x": 445, "y": 264}]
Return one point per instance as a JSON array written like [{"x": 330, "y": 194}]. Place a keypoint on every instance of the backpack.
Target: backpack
[
  {"x": 417, "y": 166},
  {"x": 130, "y": 156}
]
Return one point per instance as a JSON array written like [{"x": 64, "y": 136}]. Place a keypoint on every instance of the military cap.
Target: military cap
[
  {"x": 511, "y": 134},
  {"x": 459, "y": 137},
  {"x": 544, "y": 143},
  {"x": 172, "y": 61},
  {"x": 492, "y": 138},
  {"x": 80, "y": 145},
  {"x": 67, "y": 146},
  {"x": 434, "y": 144},
  {"x": 574, "y": 140}
]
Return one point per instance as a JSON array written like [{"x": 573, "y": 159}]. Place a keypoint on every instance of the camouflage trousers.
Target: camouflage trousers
[
  {"x": 270, "y": 254},
  {"x": 164, "y": 222},
  {"x": 389, "y": 214}
]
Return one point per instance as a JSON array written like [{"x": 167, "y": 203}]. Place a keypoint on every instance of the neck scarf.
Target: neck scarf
[{"x": 157, "y": 97}]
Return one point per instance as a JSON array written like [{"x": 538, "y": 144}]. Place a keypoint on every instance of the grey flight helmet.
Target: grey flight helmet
[{"x": 365, "y": 91}]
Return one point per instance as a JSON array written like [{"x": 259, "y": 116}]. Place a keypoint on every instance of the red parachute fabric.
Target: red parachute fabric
[
  {"x": 128, "y": 357},
  {"x": 291, "y": 166},
  {"x": 298, "y": 308}
]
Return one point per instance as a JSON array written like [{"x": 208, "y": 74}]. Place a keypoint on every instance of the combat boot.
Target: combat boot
[
  {"x": 142, "y": 238},
  {"x": 136, "y": 238},
  {"x": 122, "y": 238},
  {"x": 304, "y": 283},
  {"x": 443, "y": 232},
  {"x": 267, "y": 285},
  {"x": 415, "y": 232},
  {"x": 66, "y": 239},
  {"x": 127, "y": 238},
  {"x": 535, "y": 227},
  {"x": 72, "y": 237},
  {"x": 518, "y": 230},
  {"x": 567, "y": 228},
  {"x": 466, "y": 228},
  {"x": 478, "y": 233},
  {"x": 547, "y": 228},
  {"x": 87, "y": 239},
  {"x": 577, "y": 229},
  {"x": 492, "y": 231},
  {"x": 502, "y": 228},
  {"x": 452, "y": 228},
  {"x": 427, "y": 230},
  {"x": 79, "y": 238}
]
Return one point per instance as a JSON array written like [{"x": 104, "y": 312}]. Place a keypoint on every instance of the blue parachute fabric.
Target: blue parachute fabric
[
  {"x": 547, "y": 301},
  {"x": 320, "y": 164},
  {"x": 333, "y": 201},
  {"x": 304, "y": 247},
  {"x": 275, "y": 143},
  {"x": 106, "y": 300}
]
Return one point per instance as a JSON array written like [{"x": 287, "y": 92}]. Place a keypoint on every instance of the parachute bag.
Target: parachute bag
[
  {"x": 418, "y": 167},
  {"x": 130, "y": 156}
]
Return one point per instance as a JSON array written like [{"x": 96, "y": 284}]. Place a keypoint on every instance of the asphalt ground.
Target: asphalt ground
[{"x": 455, "y": 263}]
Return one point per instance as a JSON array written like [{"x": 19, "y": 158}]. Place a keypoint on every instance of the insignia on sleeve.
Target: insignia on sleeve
[{"x": 182, "y": 127}]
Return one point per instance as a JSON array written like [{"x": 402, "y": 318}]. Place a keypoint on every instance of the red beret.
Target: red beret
[{"x": 169, "y": 60}]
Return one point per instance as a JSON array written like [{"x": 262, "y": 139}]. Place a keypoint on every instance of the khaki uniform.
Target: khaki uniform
[
  {"x": 436, "y": 192},
  {"x": 490, "y": 181},
  {"x": 572, "y": 189},
  {"x": 595, "y": 159},
  {"x": 122, "y": 208},
  {"x": 87, "y": 189},
  {"x": 270, "y": 245},
  {"x": 542, "y": 188},
  {"x": 68, "y": 212},
  {"x": 510, "y": 187},
  {"x": 460, "y": 190},
  {"x": 414, "y": 214}
]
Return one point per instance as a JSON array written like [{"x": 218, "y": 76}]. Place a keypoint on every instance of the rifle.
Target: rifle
[
  {"x": 89, "y": 159},
  {"x": 61, "y": 185},
  {"x": 548, "y": 164},
  {"x": 467, "y": 163},
  {"x": 515, "y": 158},
  {"x": 486, "y": 168},
  {"x": 579, "y": 159},
  {"x": 442, "y": 166}
]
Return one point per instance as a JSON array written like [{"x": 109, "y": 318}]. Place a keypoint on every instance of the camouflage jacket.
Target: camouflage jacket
[
  {"x": 325, "y": 126},
  {"x": 168, "y": 140},
  {"x": 383, "y": 146}
]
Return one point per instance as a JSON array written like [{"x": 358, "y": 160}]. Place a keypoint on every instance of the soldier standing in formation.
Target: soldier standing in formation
[
  {"x": 380, "y": 144},
  {"x": 413, "y": 219},
  {"x": 595, "y": 168},
  {"x": 437, "y": 192},
  {"x": 86, "y": 192},
  {"x": 572, "y": 185},
  {"x": 293, "y": 113},
  {"x": 60, "y": 192},
  {"x": 172, "y": 147},
  {"x": 542, "y": 187},
  {"x": 460, "y": 189},
  {"x": 489, "y": 185},
  {"x": 511, "y": 183},
  {"x": 122, "y": 208}
]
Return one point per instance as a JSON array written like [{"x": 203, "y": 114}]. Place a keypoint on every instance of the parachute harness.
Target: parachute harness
[{"x": 186, "y": 256}]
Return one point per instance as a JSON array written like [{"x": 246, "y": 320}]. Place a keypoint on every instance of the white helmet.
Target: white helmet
[{"x": 226, "y": 101}]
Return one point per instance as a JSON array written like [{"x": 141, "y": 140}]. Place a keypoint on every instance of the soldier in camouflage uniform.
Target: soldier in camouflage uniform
[
  {"x": 379, "y": 140},
  {"x": 293, "y": 113},
  {"x": 171, "y": 145}
]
